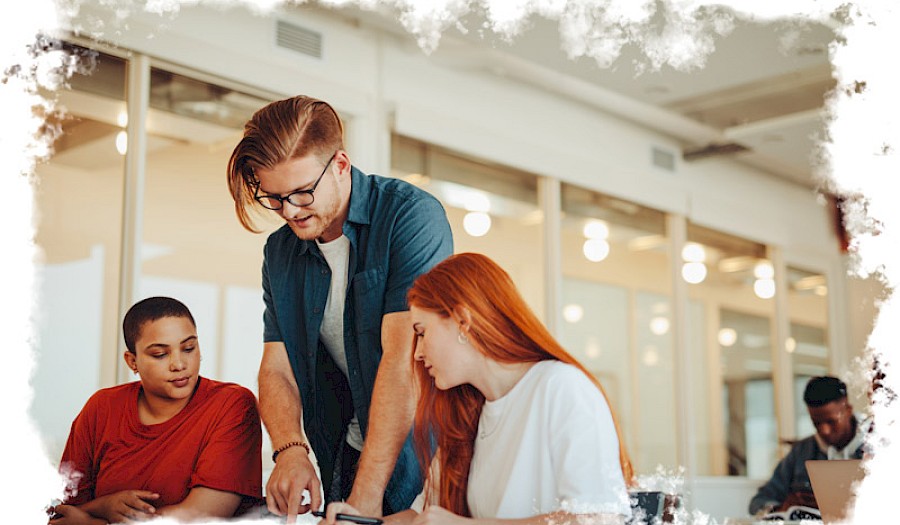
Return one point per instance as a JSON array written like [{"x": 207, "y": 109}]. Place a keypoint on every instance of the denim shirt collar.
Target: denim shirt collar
[
  {"x": 359, "y": 199},
  {"x": 359, "y": 208}
]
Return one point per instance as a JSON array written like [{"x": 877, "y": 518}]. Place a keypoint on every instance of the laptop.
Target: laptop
[{"x": 833, "y": 485}]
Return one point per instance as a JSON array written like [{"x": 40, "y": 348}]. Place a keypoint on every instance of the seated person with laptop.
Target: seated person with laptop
[{"x": 840, "y": 434}]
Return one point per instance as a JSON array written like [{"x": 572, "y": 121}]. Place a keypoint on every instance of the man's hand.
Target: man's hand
[
  {"x": 765, "y": 510},
  {"x": 125, "y": 505},
  {"x": 280, "y": 409},
  {"x": 293, "y": 474},
  {"x": 806, "y": 499}
]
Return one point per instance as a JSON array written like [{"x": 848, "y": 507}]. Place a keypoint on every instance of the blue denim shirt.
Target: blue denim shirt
[{"x": 397, "y": 232}]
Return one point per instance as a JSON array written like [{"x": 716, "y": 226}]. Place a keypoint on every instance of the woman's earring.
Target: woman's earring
[{"x": 461, "y": 338}]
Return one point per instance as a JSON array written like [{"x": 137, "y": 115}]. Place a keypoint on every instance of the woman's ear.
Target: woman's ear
[
  {"x": 130, "y": 361},
  {"x": 463, "y": 317}
]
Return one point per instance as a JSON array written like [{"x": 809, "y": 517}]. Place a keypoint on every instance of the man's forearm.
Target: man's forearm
[
  {"x": 769, "y": 496},
  {"x": 390, "y": 419},
  {"x": 279, "y": 408}
]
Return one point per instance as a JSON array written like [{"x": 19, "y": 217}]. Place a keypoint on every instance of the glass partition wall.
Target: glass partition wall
[
  {"x": 78, "y": 198},
  {"x": 807, "y": 343},
  {"x": 492, "y": 209},
  {"x": 617, "y": 314},
  {"x": 732, "y": 286}
]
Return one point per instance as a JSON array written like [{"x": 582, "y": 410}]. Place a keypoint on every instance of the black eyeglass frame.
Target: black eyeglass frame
[{"x": 289, "y": 197}]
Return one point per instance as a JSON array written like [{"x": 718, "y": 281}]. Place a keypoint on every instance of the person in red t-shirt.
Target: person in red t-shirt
[{"x": 172, "y": 444}]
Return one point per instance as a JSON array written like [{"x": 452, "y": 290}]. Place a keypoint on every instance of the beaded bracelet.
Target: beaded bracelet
[{"x": 286, "y": 446}]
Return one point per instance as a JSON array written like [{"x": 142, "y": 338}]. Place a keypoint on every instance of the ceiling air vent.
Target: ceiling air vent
[
  {"x": 663, "y": 159},
  {"x": 299, "y": 39}
]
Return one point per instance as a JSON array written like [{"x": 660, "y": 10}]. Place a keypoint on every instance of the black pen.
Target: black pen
[{"x": 362, "y": 520}]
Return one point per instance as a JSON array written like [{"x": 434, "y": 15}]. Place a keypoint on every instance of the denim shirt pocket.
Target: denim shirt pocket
[{"x": 367, "y": 289}]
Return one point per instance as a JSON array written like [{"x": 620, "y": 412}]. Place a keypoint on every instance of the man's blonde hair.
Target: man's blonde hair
[{"x": 281, "y": 131}]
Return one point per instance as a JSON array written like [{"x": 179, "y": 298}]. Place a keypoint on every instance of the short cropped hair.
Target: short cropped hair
[
  {"x": 151, "y": 309},
  {"x": 822, "y": 390}
]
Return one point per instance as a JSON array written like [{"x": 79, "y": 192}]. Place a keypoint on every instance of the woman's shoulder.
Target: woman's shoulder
[
  {"x": 110, "y": 403},
  {"x": 557, "y": 374},
  {"x": 114, "y": 394},
  {"x": 560, "y": 383},
  {"x": 218, "y": 403},
  {"x": 225, "y": 392}
]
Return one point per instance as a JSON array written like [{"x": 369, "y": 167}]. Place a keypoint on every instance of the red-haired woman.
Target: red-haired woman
[{"x": 522, "y": 431}]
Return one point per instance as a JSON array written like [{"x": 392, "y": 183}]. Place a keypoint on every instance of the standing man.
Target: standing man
[
  {"x": 840, "y": 434},
  {"x": 338, "y": 339}
]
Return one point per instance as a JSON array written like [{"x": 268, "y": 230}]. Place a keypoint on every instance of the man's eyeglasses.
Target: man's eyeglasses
[{"x": 297, "y": 198}]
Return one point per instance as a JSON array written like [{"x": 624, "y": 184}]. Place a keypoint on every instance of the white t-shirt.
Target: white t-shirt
[
  {"x": 549, "y": 444},
  {"x": 337, "y": 255}
]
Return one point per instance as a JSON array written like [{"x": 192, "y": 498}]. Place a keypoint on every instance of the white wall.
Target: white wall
[{"x": 69, "y": 347}]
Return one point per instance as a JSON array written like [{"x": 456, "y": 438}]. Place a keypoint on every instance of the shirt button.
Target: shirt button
[
  {"x": 324, "y": 272},
  {"x": 317, "y": 310}
]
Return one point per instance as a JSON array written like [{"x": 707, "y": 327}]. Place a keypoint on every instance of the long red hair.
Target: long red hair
[{"x": 503, "y": 328}]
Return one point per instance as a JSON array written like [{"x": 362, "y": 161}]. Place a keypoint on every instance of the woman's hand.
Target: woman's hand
[
  {"x": 435, "y": 515},
  {"x": 72, "y": 515},
  {"x": 123, "y": 506}
]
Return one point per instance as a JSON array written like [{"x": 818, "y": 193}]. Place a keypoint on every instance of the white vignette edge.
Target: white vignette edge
[{"x": 863, "y": 154}]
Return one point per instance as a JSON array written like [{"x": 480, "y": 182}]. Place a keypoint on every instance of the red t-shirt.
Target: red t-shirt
[{"x": 214, "y": 442}]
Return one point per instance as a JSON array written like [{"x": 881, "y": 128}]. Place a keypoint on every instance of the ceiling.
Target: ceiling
[{"x": 758, "y": 98}]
